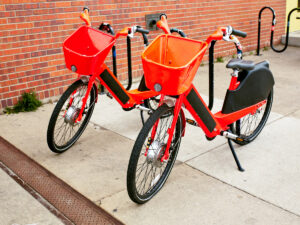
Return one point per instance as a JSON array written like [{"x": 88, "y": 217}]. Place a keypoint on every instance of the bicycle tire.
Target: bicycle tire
[
  {"x": 248, "y": 137},
  {"x": 51, "y": 139},
  {"x": 159, "y": 180}
]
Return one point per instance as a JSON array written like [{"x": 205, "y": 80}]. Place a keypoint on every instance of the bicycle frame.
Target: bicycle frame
[
  {"x": 128, "y": 99},
  {"x": 211, "y": 124}
]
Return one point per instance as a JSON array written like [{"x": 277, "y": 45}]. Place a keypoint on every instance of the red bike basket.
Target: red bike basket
[
  {"x": 171, "y": 63},
  {"x": 86, "y": 49}
]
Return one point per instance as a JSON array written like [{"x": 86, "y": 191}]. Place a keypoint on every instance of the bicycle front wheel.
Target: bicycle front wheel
[
  {"x": 146, "y": 173},
  {"x": 250, "y": 126},
  {"x": 63, "y": 131}
]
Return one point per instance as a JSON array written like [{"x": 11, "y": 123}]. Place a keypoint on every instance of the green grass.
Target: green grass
[
  {"x": 251, "y": 53},
  {"x": 233, "y": 56},
  {"x": 28, "y": 102},
  {"x": 220, "y": 59},
  {"x": 266, "y": 48}
]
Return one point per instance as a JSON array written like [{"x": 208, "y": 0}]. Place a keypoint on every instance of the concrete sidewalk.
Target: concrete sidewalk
[{"x": 204, "y": 186}]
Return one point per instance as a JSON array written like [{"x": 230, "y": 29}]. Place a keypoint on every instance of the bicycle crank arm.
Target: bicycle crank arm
[
  {"x": 192, "y": 122},
  {"x": 143, "y": 108},
  {"x": 230, "y": 135},
  {"x": 109, "y": 95}
]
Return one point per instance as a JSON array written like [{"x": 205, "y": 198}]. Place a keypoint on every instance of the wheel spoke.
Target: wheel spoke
[
  {"x": 66, "y": 132},
  {"x": 251, "y": 124}
]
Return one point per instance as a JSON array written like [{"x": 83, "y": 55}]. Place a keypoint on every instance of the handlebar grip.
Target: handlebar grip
[
  {"x": 85, "y": 7},
  {"x": 106, "y": 27},
  {"x": 146, "y": 42},
  {"x": 163, "y": 14},
  {"x": 239, "y": 33},
  {"x": 141, "y": 30},
  {"x": 180, "y": 32}
]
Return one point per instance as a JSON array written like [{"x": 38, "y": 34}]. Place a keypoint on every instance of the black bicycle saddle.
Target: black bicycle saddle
[{"x": 240, "y": 64}]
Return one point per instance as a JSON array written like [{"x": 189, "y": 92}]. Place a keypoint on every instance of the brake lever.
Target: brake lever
[
  {"x": 226, "y": 36},
  {"x": 132, "y": 30},
  {"x": 232, "y": 38}
]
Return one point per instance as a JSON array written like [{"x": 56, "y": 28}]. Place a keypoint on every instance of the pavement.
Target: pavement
[
  {"x": 294, "y": 38},
  {"x": 204, "y": 186}
]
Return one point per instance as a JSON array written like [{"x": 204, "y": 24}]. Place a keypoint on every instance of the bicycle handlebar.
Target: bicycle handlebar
[
  {"x": 106, "y": 27},
  {"x": 163, "y": 24},
  {"x": 85, "y": 16},
  {"x": 180, "y": 32},
  {"x": 141, "y": 30},
  {"x": 85, "y": 7},
  {"x": 239, "y": 33}
]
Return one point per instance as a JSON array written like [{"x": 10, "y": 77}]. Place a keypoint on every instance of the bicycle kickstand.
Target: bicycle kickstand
[{"x": 240, "y": 168}]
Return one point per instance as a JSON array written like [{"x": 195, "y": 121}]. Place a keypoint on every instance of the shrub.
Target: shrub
[
  {"x": 220, "y": 59},
  {"x": 28, "y": 102}
]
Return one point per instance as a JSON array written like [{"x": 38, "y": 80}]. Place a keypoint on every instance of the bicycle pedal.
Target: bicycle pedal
[
  {"x": 192, "y": 122},
  {"x": 232, "y": 136},
  {"x": 109, "y": 95},
  {"x": 239, "y": 139}
]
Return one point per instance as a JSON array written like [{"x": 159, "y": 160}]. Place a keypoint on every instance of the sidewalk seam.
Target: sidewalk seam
[{"x": 246, "y": 192}]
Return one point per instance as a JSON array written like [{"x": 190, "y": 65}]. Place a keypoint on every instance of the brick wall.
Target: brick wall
[{"x": 32, "y": 32}]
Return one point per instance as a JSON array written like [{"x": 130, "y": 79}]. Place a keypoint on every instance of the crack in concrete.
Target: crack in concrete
[{"x": 108, "y": 196}]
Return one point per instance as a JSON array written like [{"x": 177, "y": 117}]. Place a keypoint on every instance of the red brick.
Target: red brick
[
  {"x": 9, "y": 102},
  {"x": 14, "y": 7},
  {"x": 7, "y": 70},
  {"x": 40, "y": 65},
  {"x": 24, "y": 13},
  {"x": 3, "y": 77},
  {"x": 4, "y": 89},
  {"x": 3, "y": 104},
  {"x": 8, "y": 83},
  {"x": 18, "y": 87}
]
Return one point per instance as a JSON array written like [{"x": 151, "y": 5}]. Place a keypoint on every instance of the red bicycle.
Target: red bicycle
[
  {"x": 85, "y": 51},
  {"x": 170, "y": 64}
]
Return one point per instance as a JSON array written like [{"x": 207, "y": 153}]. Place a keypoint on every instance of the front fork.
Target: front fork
[
  {"x": 91, "y": 82},
  {"x": 154, "y": 129},
  {"x": 170, "y": 130}
]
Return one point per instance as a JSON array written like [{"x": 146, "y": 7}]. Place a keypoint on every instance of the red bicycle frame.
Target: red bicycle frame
[
  {"x": 211, "y": 124},
  {"x": 127, "y": 99}
]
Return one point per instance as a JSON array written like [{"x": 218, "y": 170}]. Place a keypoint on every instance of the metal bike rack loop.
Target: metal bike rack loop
[
  {"x": 272, "y": 29},
  {"x": 211, "y": 75}
]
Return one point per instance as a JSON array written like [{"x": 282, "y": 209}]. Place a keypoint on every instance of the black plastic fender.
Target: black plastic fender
[{"x": 255, "y": 86}]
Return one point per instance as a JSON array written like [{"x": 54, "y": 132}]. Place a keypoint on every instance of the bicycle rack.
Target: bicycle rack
[
  {"x": 211, "y": 75},
  {"x": 273, "y": 28},
  {"x": 106, "y": 27},
  {"x": 259, "y": 22}
]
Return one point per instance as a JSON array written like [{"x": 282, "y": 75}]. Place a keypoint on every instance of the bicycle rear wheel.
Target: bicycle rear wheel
[
  {"x": 250, "y": 126},
  {"x": 146, "y": 174},
  {"x": 62, "y": 131}
]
